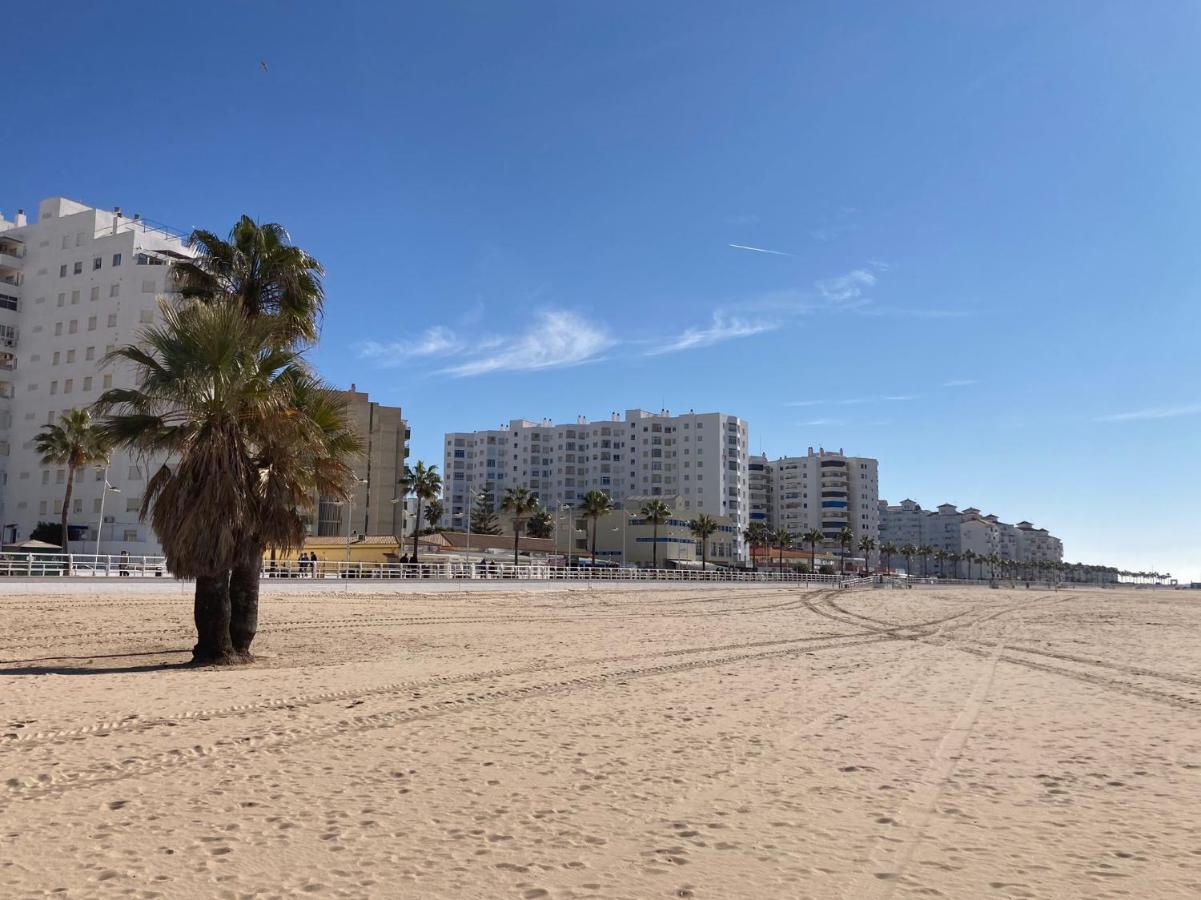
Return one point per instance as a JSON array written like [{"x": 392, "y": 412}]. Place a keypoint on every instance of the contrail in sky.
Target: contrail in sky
[{"x": 759, "y": 250}]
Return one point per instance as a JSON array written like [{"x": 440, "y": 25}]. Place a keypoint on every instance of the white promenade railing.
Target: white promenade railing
[{"x": 88, "y": 565}]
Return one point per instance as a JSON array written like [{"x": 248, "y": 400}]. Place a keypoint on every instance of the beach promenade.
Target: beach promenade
[{"x": 604, "y": 741}]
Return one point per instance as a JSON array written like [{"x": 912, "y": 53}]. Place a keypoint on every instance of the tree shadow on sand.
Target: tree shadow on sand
[{"x": 6, "y": 667}]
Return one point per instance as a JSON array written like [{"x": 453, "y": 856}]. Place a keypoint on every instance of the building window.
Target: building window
[
  {"x": 91, "y": 323},
  {"x": 87, "y": 382},
  {"x": 70, "y": 356},
  {"x": 74, "y": 298},
  {"x": 148, "y": 286},
  {"x": 62, "y": 270},
  {"x": 116, "y": 259},
  {"x": 96, "y": 263},
  {"x": 78, "y": 267},
  {"x": 108, "y": 382},
  {"x": 95, "y": 293},
  {"x": 114, "y": 290},
  {"x": 89, "y": 354},
  {"x": 112, "y": 320},
  {"x": 131, "y": 535},
  {"x": 73, "y": 326},
  {"x": 53, "y": 387}
]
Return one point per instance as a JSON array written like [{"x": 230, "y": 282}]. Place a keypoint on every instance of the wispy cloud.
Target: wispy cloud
[
  {"x": 724, "y": 328},
  {"x": 1156, "y": 412},
  {"x": 815, "y": 422},
  {"x": 434, "y": 342},
  {"x": 843, "y": 289},
  {"x": 960, "y": 382},
  {"x": 758, "y": 249},
  {"x": 555, "y": 339},
  {"x": 856, "y": 401}
]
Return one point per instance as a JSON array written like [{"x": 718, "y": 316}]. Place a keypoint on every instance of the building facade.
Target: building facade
[
  {"x": 701, "y": 458},
  {"x": 958, "y": 531},
  {"x": 378, "y": 472},
  {"x": 74, "y": 284}
]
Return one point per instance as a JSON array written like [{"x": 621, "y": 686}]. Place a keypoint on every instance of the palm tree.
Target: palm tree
[
  {"x": 968, "y": 557},
  {"x": 813, "y": 537},
  {"x": 702, "y": 527},
  {"x": 433, "y": 514},
  {"x": 867, "y": 545},
  {"x": 846, "y": 538},
  {"x": 261, "y": 270},
  {"x": 940, "y": 556},
  {"x": 424, "y": 483},
  {"x": 540, "y": 525},
  {"x": 520, "y": 504},
  {"x": 74, "y": 442},
  {"x": 783, "y": 538},
  {"x": 657, "y": 513},
  {"x": 757, "y": 534},
  {"x": 888, "y": 550},
  {"x": 925, "y": 551},
  {"x": 909, "y": 551},
  {"x": 594, "y": 505},
  {"x": 208, "y": 377}
]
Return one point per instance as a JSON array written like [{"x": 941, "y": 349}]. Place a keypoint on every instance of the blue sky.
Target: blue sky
[{"x": 986, "y": 219}]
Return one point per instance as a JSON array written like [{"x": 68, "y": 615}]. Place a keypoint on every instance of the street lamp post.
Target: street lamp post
[{"x": 104, "y": 491}]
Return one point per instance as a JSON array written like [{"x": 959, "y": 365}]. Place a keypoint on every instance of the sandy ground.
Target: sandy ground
[{"x": 691, "y": 741}]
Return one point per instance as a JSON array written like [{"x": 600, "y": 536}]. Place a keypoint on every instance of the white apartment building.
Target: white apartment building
[
  {"x": 958, "y": 531},
  {"x": 699, "y": 457},
  {"x": 74, "y": 284},
  {"x": 824, "y": 490}
]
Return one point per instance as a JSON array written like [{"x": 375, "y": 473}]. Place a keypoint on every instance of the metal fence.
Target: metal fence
[{"x": 87, "y": 565}]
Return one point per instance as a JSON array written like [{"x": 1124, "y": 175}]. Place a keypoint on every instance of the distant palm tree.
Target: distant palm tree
[
  {"x": 925, "y": 551},
  {"x": 888, "y": 550},
  {"x": 702, "y": 527},
  {"x": 433, "y": 514},
  {"x": 867, "y": 545},
  {"x": 76, "y": 441},
  {"x": 594, "y": 505},
  {"x": 940, "y": 556},
  {"x": 909, "y": 551},
  {"x": 424, "y": 483},
  {"x": 813, "y": 537},
  {"x": 968, "y": 557},
  {"x": 657, "y": 513},
  {"x": 519, "y": 503},
  {"x": 846, "y": 538},
  {"x": 756, "y": 535},
  {"x": 783, "y": 539}
]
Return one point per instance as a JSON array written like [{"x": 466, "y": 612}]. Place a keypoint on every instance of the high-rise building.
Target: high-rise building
[
  {"x": 385, "y": 436},
  {"x": 74, "y": 284},
  {"x": 823, "y": 490},
  {"x": 699, "y": 457}
]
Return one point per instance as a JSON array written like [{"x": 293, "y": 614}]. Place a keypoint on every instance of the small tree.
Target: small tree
[
  {"x": 74, "y": 442},
  {"x": 483, "y": 515},
  {"x": 702, "y": 527},
  {"x": 433, "y": 515},
  {"x": 519, "y": 503},
  {"x": 594, "y": 505},
  {"x": 656, "y": 512},
  {"x": 540, "y": 525},
  {"x": 813, "y": 537}
]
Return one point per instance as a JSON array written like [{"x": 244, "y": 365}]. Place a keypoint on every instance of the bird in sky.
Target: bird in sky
[{"x": 263, "y": 64}]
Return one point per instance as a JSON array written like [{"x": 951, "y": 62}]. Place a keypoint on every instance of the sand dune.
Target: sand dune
[{"x": 686, "y": 741}]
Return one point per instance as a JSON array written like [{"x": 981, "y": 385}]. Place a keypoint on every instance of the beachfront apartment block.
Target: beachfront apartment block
[
  {"x": 959, "y": 531},
  {"x": 699, "y": 458},
  {"x": 378, "y": 473},
  {"x": 75, "y": 283},
  {"x": 824, "y": 490}
]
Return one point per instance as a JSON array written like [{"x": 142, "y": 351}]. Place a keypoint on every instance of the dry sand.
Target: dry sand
[{"x": 683, "y": 741}]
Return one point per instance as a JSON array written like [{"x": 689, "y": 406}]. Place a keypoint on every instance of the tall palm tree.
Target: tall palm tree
[
  {"x": 909, "y": 551},
  {"x": 867, "y": 545},
  {"x": 925, "y": 551},
  {"x": 702, "y": 527},
  {"x": 657, "y": 513},
  {"x": 76, "y": 441},
  {"x": 783, "y": 539},
  {"x": 594, "y": 505},
  {"x": 206, "y": 378},
  {"x": 424, "y": 483},
  {"x": 968, "y": 557},
  {"x": 757, "y": 534},
  {"x": 519, "y": 503},
  {"x": 888, "y": 550},
  {"x": 940, "y": 556},
  {"x": 813, "y": 537},
  {"x": 303, "y": 453},
  {"x": 846, "y": 539},
  {"x": 259, "y": 268}
]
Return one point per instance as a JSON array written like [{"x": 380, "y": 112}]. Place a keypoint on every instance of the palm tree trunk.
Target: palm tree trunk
[
  {"x": 211, "y": 612},
  {"x": 813, "y": 557},
  {"x": 65, "y": 511},
  {"x": 244, "y": 599},
  {"x": 417, "y": 528},
  {"x": 655, "y": 545},
  {"x": 704, "y": 554},
  {"x": 516, "y": 536},
  {"x": 595, "y": 522}
]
